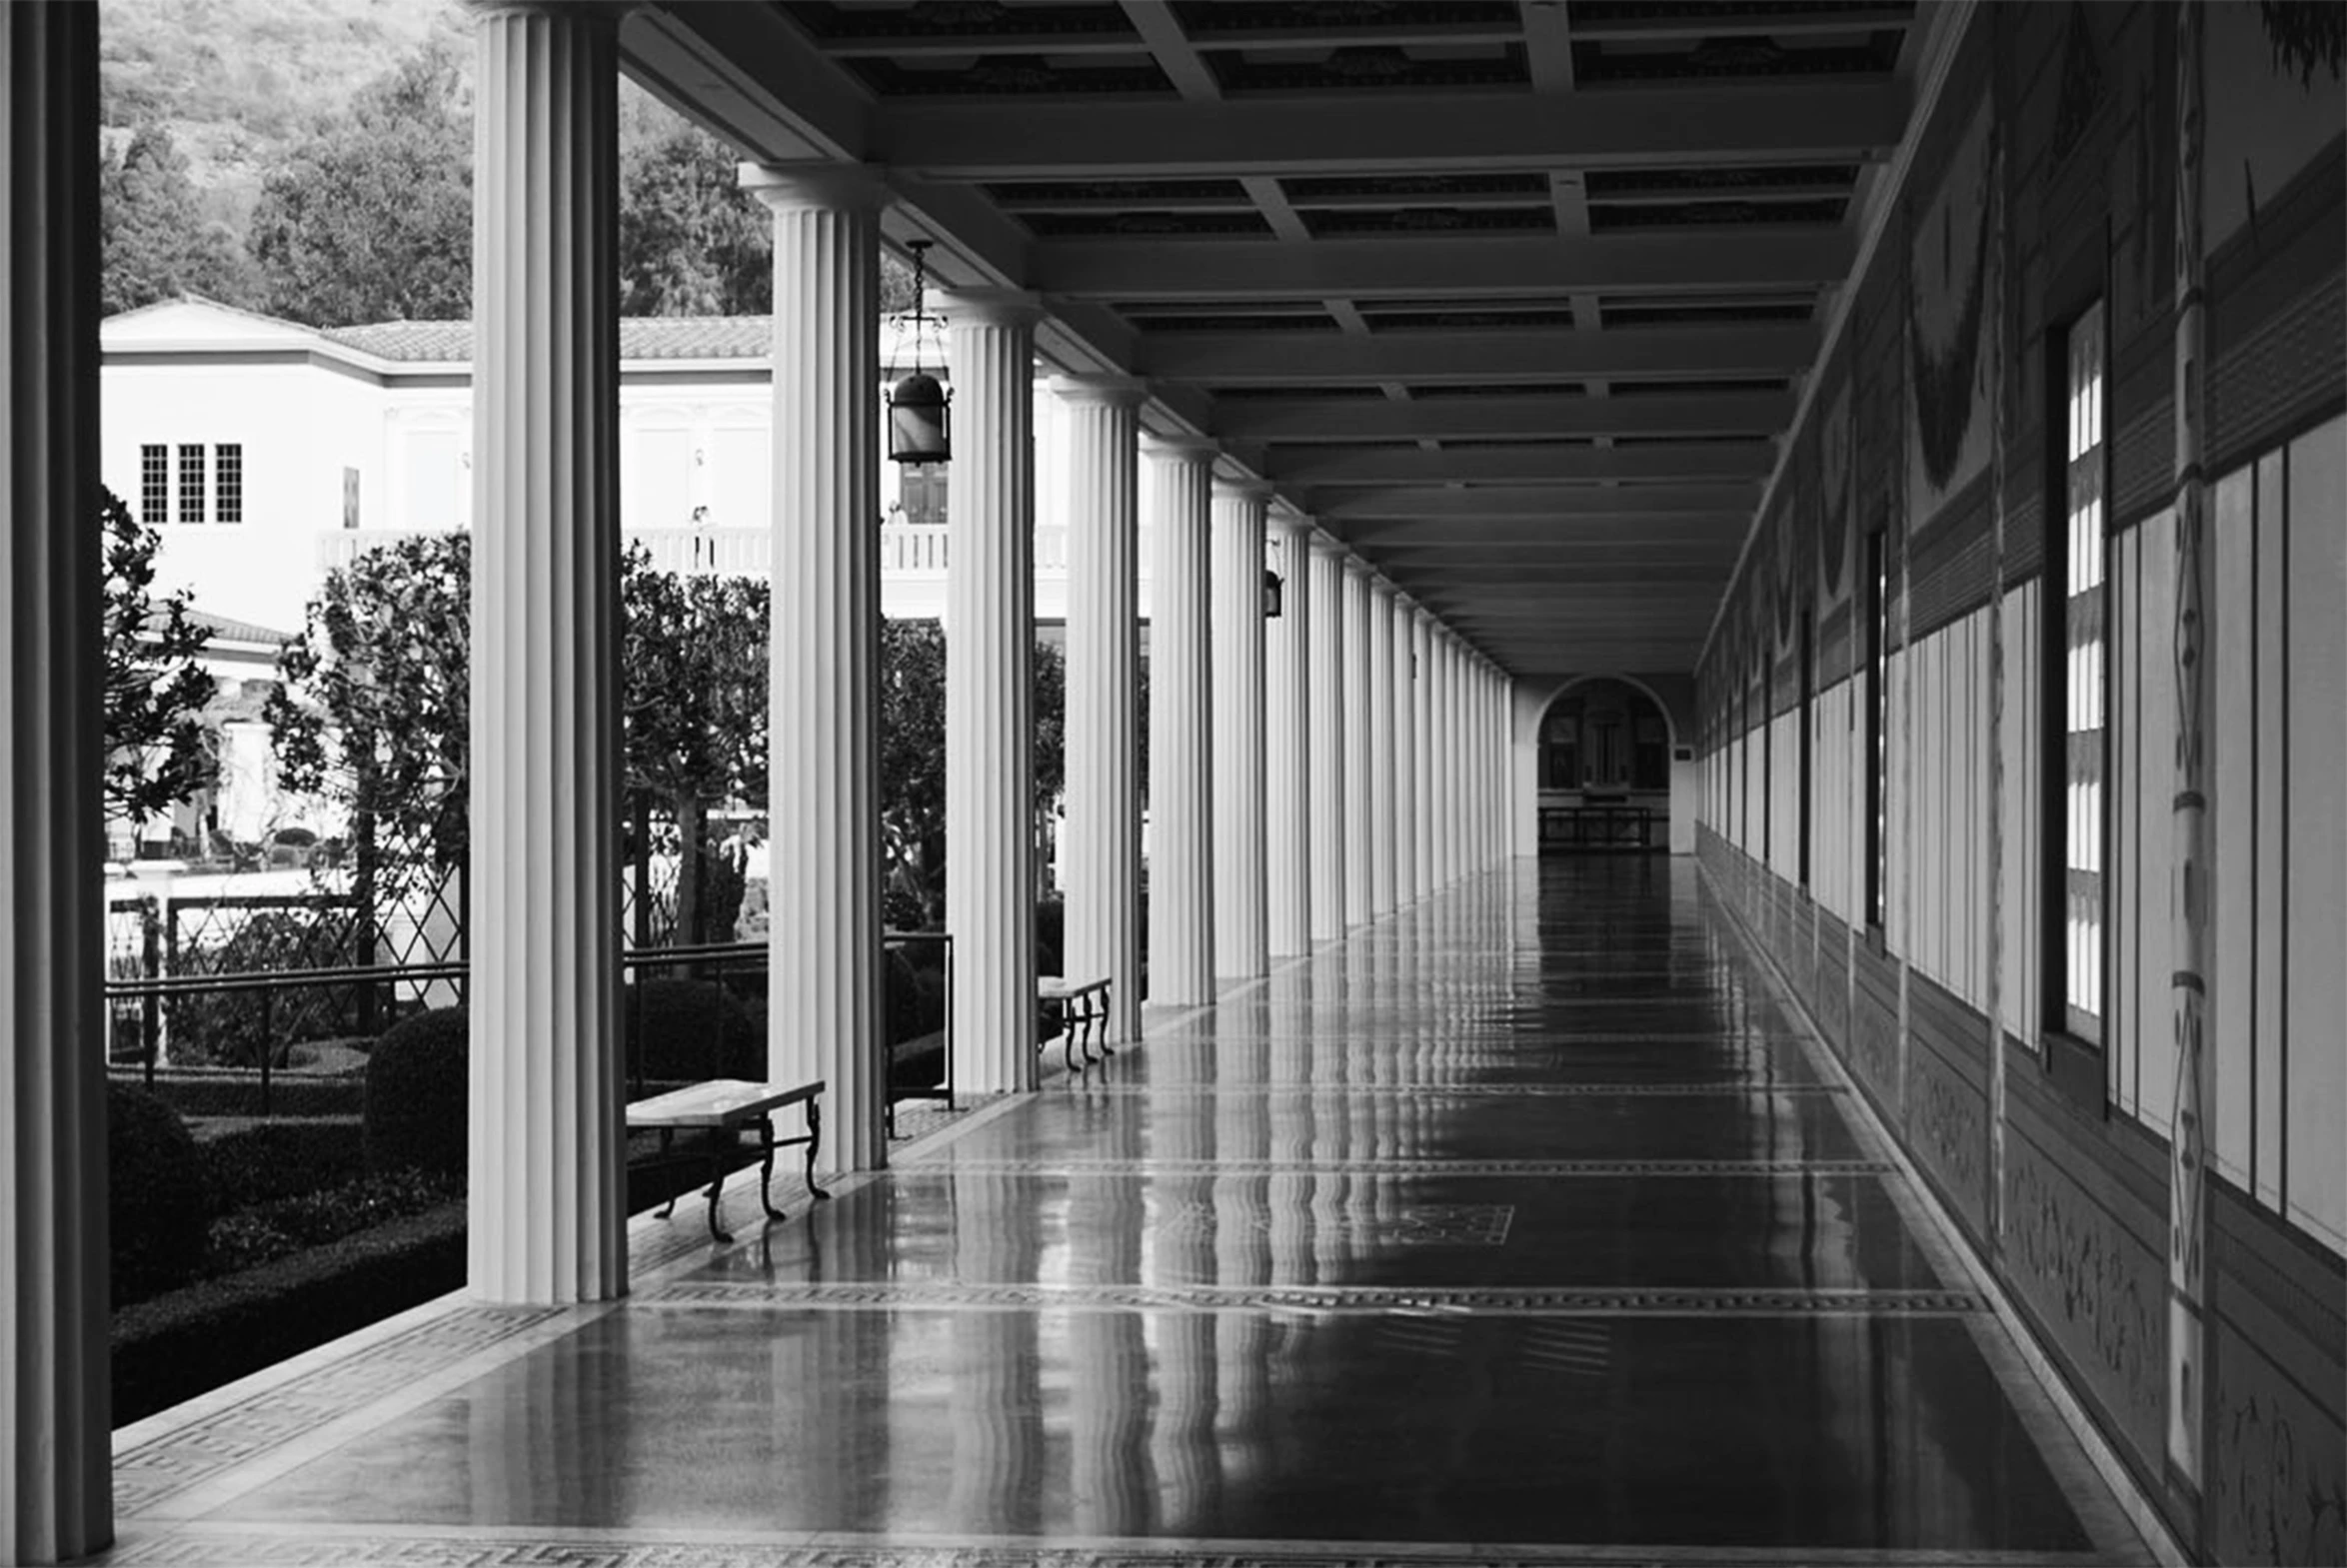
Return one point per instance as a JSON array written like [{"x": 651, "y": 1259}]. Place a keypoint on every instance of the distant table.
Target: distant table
[
  {"x": 720, "y": 1106},
  {"x": 1082, "y": 1007}
]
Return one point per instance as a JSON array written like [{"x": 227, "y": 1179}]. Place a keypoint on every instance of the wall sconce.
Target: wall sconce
[{"x": 919, "y": 423}]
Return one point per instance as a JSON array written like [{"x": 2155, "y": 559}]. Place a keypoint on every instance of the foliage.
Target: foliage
[
  {"x": 225, "y": 1027},
  {"x": 266, "y": 1231},
  {"x": 2306, "y": 34},
  {"x": 154, "y": 240},
  {"x": 372, "y": 218},
  {"x": 157, "y": 1203},
  {"x": 685, "y": 1031},
  {"x": 157, "y": 751},
  {"x": 375, "y": 697},
  {"x": 692, "y": 242},
  {"x": 262, "y": 1161},
  {"x": 210, "y": 1093},
  {"x": 693, "y": 652},
  {"x": 184, "y": 1343},
  {"x": 417, "y": 1091}
]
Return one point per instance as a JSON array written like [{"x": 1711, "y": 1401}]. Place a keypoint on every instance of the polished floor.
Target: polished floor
[{"x": 1522, "y": 1228}]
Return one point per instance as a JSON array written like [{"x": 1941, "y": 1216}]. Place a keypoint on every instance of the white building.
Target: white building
[{"x": 267, "y": 452}]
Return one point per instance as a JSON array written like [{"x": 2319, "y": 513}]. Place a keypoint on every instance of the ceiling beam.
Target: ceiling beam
[
  {"x": 1443, "y": 267},
  {"x": 1304, "y": 420},
  {"x": 1529, "y": 463},
  {"x": 1477, "y": 354},
  {"x": 1668, "y": 529},
  {"x": 1475, "y": 132},
  {"x": 1625, "y": 502},
  {"x": 1723, "y": 23}
]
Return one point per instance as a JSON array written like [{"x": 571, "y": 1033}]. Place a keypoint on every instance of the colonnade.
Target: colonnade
[{"x": 1307, "y": 772}]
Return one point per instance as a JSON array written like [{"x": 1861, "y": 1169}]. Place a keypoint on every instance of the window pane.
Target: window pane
[
  {"x": 191, "y": 484},
  {"x": 155, "y": 486},
  {"x": 228, "y": 472},
  {"x": 2084, "y": 676}
]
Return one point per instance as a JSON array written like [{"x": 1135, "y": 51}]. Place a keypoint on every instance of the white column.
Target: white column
[
  {"x": 1384, "y": 791},
  {"x": 1103, "y": 689},
  {"x": 1453, "y": 759},
  {"x": 1241, "y": 889},
  {"x": 1406, "y": 886},
  {"x": 56, "y": 1490},
  {"x": 1328, "y": 749},
  {"x": 1360, "y": 797},
  {"x": 1473, "y": 758},
  {"x": 823, "y": 969},
  {"x": 1438, "y": 801},
  {"x": 990, "y": 685},
  {"x": 1181, "y": 751},
  {"x": 546, "y": 1207},
  {"x": 1426, "y": 749},
  {"x": 1289, "y": 719}
]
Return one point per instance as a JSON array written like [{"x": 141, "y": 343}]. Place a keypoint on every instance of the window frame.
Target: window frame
[
  {"x": 1808, "y": 657},
  {"x": 194, "y": 462},
  {"x": 155, "y": 483},
  {"x": 1877, "y": 589},
  {"x": 228, "y": 482},
  {"x": 2068, "y": 466}
]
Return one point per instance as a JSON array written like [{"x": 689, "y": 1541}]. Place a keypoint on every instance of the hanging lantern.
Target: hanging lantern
[
  {"x": 1271, "y": 587},
  {"x": 920, "y": 426}
]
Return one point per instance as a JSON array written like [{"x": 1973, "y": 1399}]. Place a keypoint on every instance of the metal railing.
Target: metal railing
[{"x": 707, "y": 960}]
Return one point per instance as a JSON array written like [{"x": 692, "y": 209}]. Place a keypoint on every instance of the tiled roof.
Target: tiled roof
[
  {"x": 231, "y": 630},
  {"x": 641, "y": 338}
]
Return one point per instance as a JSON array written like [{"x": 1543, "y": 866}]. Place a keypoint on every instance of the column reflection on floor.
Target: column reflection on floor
[{"x": 1526, "y": 1218}]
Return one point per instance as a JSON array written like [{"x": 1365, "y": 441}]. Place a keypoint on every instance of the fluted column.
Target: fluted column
[
  {"x": 1403, "y": 709},
  {"x": 1181, "y": 751},
  {"x": 1385, "y": 793},
  {"x": 1439, "y": 804},
  {"x": 1425, "y": 747},
  {"x": 1477, "y": 805},
  {"x": 1453, "y": 764},
  {"x": 824, "y": 975},
  {"x": 1361, "y": 789},
  {"x": 1329, "y": 749},
  {"x": 1103, "y": 689},
  {"x": 56, "y": 1493},
  {"x": 990, "y": 685},
  {"x": 1287, "y": 725},
  {"x": 1241, "y": 891},
  {"x": 546, "y": 1207}
]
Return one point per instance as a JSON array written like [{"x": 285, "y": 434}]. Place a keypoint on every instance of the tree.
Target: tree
[
  {"x": 153, "y": 239},
  {"x": 158, "y": 751},
  {"x": 691, "y": 243},
  {"x": 694, "y": 711},
  {"x": 372, "y": 219}
]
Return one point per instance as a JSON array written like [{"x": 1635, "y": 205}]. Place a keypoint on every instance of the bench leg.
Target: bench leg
[
  {"x": 813, "y": 1145},
  {"x": 1069, "y": 1023},
  {"x": 716, "y": 1182},
  {"x": 1100, "y": 1018},
  {"x": 668, "y": 1142},
  {"x": 765, "y": 1167}
]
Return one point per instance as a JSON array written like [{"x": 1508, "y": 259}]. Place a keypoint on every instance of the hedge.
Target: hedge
[
  {"x": 192, "y": 1340},
  {"x": 237, "y": 1092},
  {"x": 252, "y": 1162},
  {"x": 688, "y": 1032},
  {"x": 158, "y": 1202},
  {"x": 417, "y": 1089}
]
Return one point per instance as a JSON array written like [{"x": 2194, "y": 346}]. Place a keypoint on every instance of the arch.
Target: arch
[{"x": 1670, "y": 723}]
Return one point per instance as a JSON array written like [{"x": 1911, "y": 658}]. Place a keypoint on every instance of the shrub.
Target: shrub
[
  {"x": 225, "y": 1093},
  {"x": 267, "y": 1232},
  {"x": 682, "y": 1032},
  {"x": 189, "y": 1341},
  {"x": 158, "y": 1201},
  {"x": 416, "y": 1097},
  {"x": 263, "y": 1162},
  {"x": 916, "y": 998},
  {"x": 1051, "y": 930},
  {"x": 225, "y": 1026}
]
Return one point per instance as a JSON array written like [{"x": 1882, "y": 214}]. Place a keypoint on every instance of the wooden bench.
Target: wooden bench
[
  {"x": 1080, "y": 1006},
  {"x": 721, "y": 1106}
]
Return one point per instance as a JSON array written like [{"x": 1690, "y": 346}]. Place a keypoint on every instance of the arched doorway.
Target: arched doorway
[{"x": 1604, "y": 771}]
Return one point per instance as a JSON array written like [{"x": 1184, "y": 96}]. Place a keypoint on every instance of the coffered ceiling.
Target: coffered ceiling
[{"x": 1516, "y": 298}]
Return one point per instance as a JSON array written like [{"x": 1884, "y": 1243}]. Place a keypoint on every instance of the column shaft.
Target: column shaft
[
  {"x": 546, "y": 1205},
  {"x": 1384, "y": 792},
  {"x": 990, "y": 679},
  {"x": 1329, "y": 750},
  {"x": 1424, "y": 750},
  {"x": 1181, "y": 751},
  {"x": 56, "y": 1493},
  {"x": 1241, "y": 889},
  {"x": 1288, "y": 723},
  {"x": 1103, "y": 691},
  {"x": 824, "y": 988},
  {"x": 1360, "y": 798},
  {"x": 1405, "y": 763}
]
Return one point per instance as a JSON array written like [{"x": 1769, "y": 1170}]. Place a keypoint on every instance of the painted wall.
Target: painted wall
[{"x": 1894, "y": 459}]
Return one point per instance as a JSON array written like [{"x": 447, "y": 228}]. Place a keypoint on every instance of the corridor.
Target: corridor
[{"x": 1520, "y": 1227}]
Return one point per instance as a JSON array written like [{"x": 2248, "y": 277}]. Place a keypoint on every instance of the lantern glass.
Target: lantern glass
[
  {"x": 1272, "y": 588},
  {"x": 919, "y": 429}
]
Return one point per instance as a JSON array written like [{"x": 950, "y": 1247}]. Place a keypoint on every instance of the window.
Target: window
[
  {"x": 1808, "y": 726},
  {"x": 920, "y": 492},
  {"x": 2082, "y": 644},
  {"x": 1877, "y": 586},
  {"x": 191, "y": 484},
  {"x": 228, "y": 482},
  {"x": 155, "y": 485},
  {"x": 349, "y": 498}
]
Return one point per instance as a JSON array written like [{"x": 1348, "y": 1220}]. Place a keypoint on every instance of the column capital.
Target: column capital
[
  {"x": 1288, "y": 528},
  {"x": 1118, "y": 392},
  {"x": 827, "y": 186},
  {"x": 988, "y": 307},
  {"x": 1254, "y": 490},
  {"x": 1328, "y": 544},
  {"x": 609, "y": 13},
  {"x": 1356, "y": 567},
  {"x": 1181, "y": 449}
]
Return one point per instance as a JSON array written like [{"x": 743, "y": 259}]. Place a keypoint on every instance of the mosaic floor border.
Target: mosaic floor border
[
  {"x": 1227, "y": 1087},
  {"x": 1030, "y": 1296}
]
